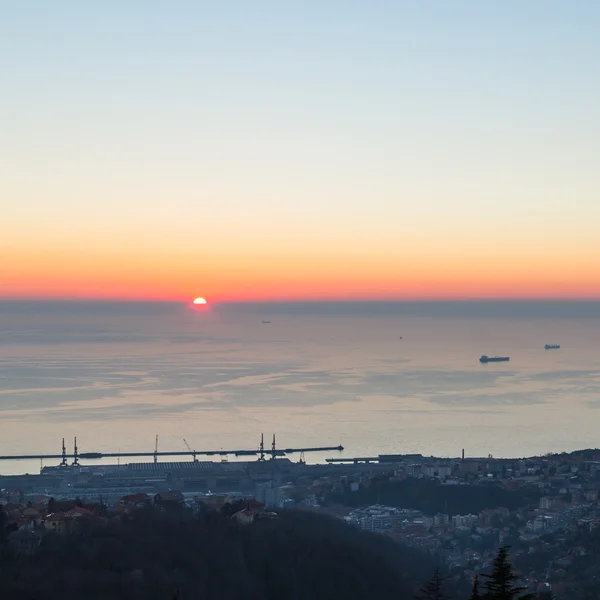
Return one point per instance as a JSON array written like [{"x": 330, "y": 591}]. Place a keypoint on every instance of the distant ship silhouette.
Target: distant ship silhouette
[{"x": 487, "y": 359}]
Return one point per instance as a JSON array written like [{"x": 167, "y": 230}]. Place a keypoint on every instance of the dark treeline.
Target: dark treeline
[
  {"x": 500, "y": 584},
  {"x": 167, "y": 555},
  {"x": 432, "y": 497}
]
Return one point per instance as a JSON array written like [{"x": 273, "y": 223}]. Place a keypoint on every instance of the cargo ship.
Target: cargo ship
[
  {"x": 487, "y": 359},
  {"x": 551, "y": 347}
]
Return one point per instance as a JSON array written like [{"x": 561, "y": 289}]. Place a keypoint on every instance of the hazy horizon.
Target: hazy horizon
[{"x": 525, "y": 307}]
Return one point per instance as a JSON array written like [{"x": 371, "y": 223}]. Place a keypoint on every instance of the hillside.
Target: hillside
[{"x": 162, "y": 555}]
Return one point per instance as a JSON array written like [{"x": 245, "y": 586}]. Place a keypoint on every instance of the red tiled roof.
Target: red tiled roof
[
  {"x": 11, "y": 507},
  {"x": 57, "y": 517},
  {"x": 78, "y": 510},
  {"x": 132, "y": 498},
  {"x": 19, "y": 522},
  {"x": 171, "y": 495}
]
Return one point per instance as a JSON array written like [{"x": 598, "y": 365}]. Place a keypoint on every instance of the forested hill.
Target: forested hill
[
  {"x": 163, "y": 556},
  {"x": 432, "y": 497}
]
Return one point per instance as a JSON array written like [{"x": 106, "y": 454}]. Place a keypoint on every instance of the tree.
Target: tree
[
  {"x": 155, "y": 554},
  {"x": 500, "y": 584},
  {"x": 475, "y": 595},
  {"x": 432, "y": 590},
  {"x": 3, "y": 521}
]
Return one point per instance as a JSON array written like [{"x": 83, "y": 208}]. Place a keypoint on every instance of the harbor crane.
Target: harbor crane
[
  {"x": 192, "y": 451},
  {"x": 75, "y": 462},
  {"x": 64, "y": 462}
]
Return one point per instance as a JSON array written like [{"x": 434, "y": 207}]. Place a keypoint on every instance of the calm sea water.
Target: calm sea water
[{"x": 117, "y": 374}]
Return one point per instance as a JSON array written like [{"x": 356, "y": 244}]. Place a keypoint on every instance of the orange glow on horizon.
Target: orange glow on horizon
[{"x": 288, "y": 276}]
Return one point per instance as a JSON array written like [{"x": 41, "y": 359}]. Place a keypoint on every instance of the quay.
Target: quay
[
  {"x": 261, "y": 452},
  {"x": 381, "y": 458},
  {"x": 99, "y": 455}
]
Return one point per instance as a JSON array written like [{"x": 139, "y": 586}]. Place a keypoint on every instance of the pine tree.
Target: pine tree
[
  {"x": 475, "y": 595},
  {"x": 432, "y": 590},
  {"x": 500, "y": 585}
]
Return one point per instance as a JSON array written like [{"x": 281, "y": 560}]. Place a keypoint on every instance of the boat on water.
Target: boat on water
[
  {"x": 487, "y": 359},
  {"x": 551, "y": 347},
  {"x": 264, "y": 322}
]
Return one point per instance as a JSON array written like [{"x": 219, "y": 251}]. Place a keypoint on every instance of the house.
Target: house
[
  {"x": 58, "y": 523},
  {"x": 134, "y": 502},
  {"x": 78, "y": 511},
  {"x": 211, "y": 501},
  {"x": 13, "y": 511},
  {"x": 32, "y": 514},
  {"x": 170, "y": 499}
]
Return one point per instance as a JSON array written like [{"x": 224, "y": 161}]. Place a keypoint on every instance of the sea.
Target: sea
[{"x": 375, "y": 377}]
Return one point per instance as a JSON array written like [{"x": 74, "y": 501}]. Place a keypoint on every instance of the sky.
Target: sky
[{"x": 274, "y": 151}]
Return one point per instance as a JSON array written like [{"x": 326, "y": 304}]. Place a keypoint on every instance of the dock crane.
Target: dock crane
[
  {"x": 192, "y": 451},
  {"x": 156, "y": 450},
  {"x": 75, "y": 462},
  {"x": 64, "y": 462}
]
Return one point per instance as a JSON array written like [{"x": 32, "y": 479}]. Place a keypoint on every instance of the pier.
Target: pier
[
  {"x": 381, "y": 458},
  {"x": 99, "y": 455},
  {"x": 261, "y": 452}
]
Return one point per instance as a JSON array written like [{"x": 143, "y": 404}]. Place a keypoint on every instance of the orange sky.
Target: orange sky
[
  {"x": 358, "y": 275},
  {"x": 389, "y": 154}
]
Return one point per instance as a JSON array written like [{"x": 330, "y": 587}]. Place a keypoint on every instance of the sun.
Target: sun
[{"x": 199, "y": 301}]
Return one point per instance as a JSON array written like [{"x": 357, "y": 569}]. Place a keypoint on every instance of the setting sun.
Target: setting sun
[{"x": 199, "y": 301}]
